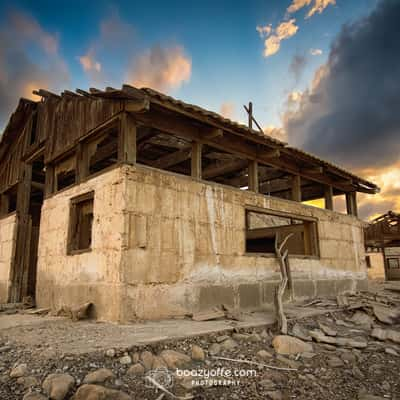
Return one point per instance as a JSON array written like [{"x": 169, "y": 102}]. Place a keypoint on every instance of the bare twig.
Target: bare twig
[
  {"x": 254, "y": 363},
  {"x": 167, "y": 392}
]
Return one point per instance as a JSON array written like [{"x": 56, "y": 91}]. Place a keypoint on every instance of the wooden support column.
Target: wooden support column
[
  {"x": 253, "y": 176},
  {"x": 296, "y": 188},
  {"x": 4, "y": 204},
  {"x": 329, "y": 197},
  {"x": 351, "y": 203},
  {"x": 127, "y": 139},
  {"x": 196, "y": 160},
  {"x": 82, "y": 163},
  {"x": 49, "y": 181}
]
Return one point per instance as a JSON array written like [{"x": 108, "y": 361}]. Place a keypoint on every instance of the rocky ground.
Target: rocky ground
[{"x": 351, "y": 350}]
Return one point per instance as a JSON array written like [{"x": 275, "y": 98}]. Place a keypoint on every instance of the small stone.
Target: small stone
[
  {"x": 291, "y": 363},
  {"x": 392, "y": 352},
  {"x": 327, "y": 330},
  {"x": 335, "y": 362},
  {"x": 229, "y": 344},
  {"x": 386, "y": 334},
  {"x": 96, "y": 392},
  {"x": 275, "y": 395},
  {"x": 136, "y": 369},
  {"x": 267, "y": 384},
  {"x": 366, "y": 396},
  {"x": 264, "y": 354},
  {"x": 197, "y": 353},
  {"x": 146, "y": 358},
  {"x": 299, "y": 332},
  {"x": 175, "y": 359},
  {"x": 110, "y": 353},
  {"x": 125, "y": 360},
  {"x": 27, "y": 381},
  {"x": 214, "y": 349},
  {"x": 34, "y": 396},
  {"x": 308, "y": 355},
  {"x": 284, "y": 344},
  {"x": 99, "y": 376},
  {"x": 348, "y": 357},
  {"x": 363, "y": 319},
  {"x": 135, "y": 357},
  {"x": 255, "y": 337},
  {"x": 18, "y": 371},
  {"x": 58, "y": 385},
  {"x": 222, "y": 338}
]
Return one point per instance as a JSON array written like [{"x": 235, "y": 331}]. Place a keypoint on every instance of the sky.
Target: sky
[{"x": 322, "y": 74}]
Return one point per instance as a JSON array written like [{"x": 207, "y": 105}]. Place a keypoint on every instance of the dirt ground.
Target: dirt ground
[{"x": 342, "y": 352}]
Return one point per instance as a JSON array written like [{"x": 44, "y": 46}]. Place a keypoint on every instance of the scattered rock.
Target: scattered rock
[
  {"x": 197, "y": 353},
  {"x": 365, "y": 396},
  {"x": 99, "y": 376},
  {"x": 275, "y": 395},
  {"x": 386, "y": 334},
  {"x": 18, "y": 371},
  {"x": 339, "y": 341},
  {"x": 290, "y": 363},
  {"x": 147, "y": 358},
  {"x": 335, "y": 362},
  {"x": 327, "y": 330},
  {"x": 175, "y": 359},
  {"x": 34, "y": 396},
  {"x": 136, "y": 369},
  {"x": 348, "y": 357},
  {"x": 392, "y": 352},
  {"x": 229, "y": 344},
  {"x": 301, "y": 333},
  {"x": 125, "y": 360},
  {"x": 264, "y": 354},
  {"x": 267, "y": 384},
  {"x": 27, "y": 381},
  {"x": 240, "y": 336},
  {"x": 363, "y": 319},
  {"x": 58, "y": 385},
  {"x": 214, "y": 349},
  {"x": 96, "y": 392},
  {"x": 110, "y": 353},
  {"x": 308, "y": 355},
  {"x": 284, "y": 344},
  {"x": 386, "y": 315},
  {"x": 158, "y": 362}
]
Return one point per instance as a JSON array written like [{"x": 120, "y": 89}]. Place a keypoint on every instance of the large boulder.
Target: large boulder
[
  {"x": 96, "y": 392},
  {"x": 99, "y": 376},
  {"x": 284, "y": 344},
  {"x": 175, "y": 359},
  {"x": 58, "y": 385}
]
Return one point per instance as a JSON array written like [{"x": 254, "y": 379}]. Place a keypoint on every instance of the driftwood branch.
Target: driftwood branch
[
  {"x": 254, "y": 363},
  {"x": 280, "y": 290}
]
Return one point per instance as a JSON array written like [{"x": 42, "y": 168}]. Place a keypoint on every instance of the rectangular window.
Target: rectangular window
[
  {"x": 394, "y": 263},
  {"x": 368, "y": 261},
  {"x": 80, "y": 224},
  {"x": 263, "y": 229},
  {"x": 8, "y": 200}
]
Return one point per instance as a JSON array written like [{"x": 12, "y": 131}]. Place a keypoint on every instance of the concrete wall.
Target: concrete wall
[
  {"x": 164, "y": 244},
  {"x": 377, "y": 269},
  {"x": 184, "y": 248},
  {"x": 7, "y": 249},
  {"x": 91, "y": 276}
]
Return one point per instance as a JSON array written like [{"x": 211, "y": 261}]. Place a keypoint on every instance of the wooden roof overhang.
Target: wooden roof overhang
[{"x": 383, "y": 231}]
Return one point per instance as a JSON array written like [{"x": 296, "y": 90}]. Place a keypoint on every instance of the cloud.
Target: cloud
[
  {"x": 275, "y": 132},
  {"x": 284, "y": 30},
  {"x": 264, "y": 30},
  {"x": 161, "y": 68},
  {"x": 297, "y": 65},
  {"x": 227, "y": 110},
  {"x": 350, "y": 113},
  {"x": 317, "y": 6},
  {"x": 89, "y": 63},
  {"x": 29, "y": 60},
  {"x": 316, "y": 52}
]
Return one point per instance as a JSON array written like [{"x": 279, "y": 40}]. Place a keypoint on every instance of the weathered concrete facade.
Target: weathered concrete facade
[
  {"x": 7, "y": 249},
  {"x": 376, "y": 270},
  {"x": 165, "y": 244}
]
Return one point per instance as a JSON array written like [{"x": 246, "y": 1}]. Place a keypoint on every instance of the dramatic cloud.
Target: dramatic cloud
[
  {"x": 264, "y": 30},
  {"x": 297, "y": 65},
  {"x": 316, "y": 52},
  {"x": 29, "y": 60},
  {"x": 275, "y": 132},
  {"x": 89, "y": 63},
  {"x": 227, "y": 110},
  {"x": 350, "y": 114},
  {"x": 317, "y": 6},
  {"x": 285, "y": 30},
  {"x": 161, "y": 68}
]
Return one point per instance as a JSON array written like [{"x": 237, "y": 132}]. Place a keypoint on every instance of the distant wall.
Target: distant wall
[
  {"x": 377, "y": 269},
  {"x": 7, "y": 249}
]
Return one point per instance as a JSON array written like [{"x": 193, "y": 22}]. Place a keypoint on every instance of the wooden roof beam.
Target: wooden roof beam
[
  {"x": 172, "y": 159},
  {"x": 46, "y": 94},
  {"x": 223, "y": 169}
]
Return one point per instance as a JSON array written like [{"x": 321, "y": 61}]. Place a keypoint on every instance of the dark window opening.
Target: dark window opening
[
  {"x": 9, "y": 200},
  {"x": 65, "y": 173},
  {"x": 263, "y": 229},
  {"x": 368, "y": 261},
  {"x": 103, "y": 151},
  {"x": 81, "y": 221},
  {"x": 394, "y": 263},
  {"x": 33, "y": 135}
]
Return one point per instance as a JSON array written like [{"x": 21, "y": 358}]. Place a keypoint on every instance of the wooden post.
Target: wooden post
[
  {"x": 127, "y": 139},
  {"x": 49, "y": 181},
  {"x": 250, "y": 115},
  {"x": 82, "y": 163},
  {"x": 196, "y": 160},
  {"x": 329, "y": 197},
  {"x": 4, "y": 204},
  {"x": 351, "y": 203},
  {"x": 253, "y": 176},
  {"x": 296, "y": 188}
]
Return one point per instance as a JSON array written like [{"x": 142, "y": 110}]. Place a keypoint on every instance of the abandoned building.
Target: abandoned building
[
  {"x": 382, "y": 242},
  {"x": 150, "y": 207}
]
